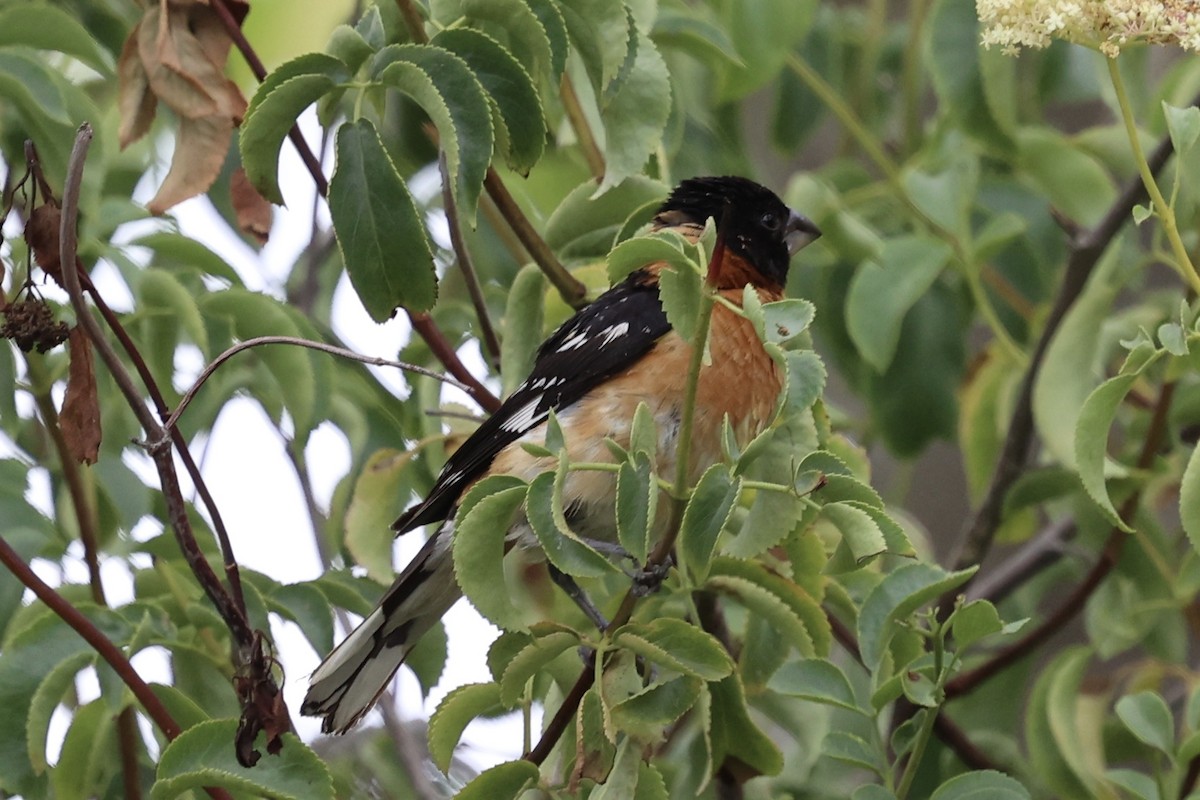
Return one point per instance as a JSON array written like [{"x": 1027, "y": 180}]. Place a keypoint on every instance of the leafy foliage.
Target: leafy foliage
[{"x": 1006, "y": 276}]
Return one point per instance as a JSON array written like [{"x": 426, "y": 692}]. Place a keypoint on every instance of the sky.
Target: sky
[{"x": 245, "y": 450}]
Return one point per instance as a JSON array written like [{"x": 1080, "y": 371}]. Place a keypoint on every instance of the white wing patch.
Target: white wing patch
[
  {"x": 525, "y": 417},
  {"x": 578, "y": 340},
  {"x": 613, "y": 332}
]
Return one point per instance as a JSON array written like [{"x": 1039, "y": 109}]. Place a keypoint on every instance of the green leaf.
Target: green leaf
[
  {"x": 646, "y": 715},
  {"x": 678, "y": 646},
  {"x": 1189, "y": 498},
  {"x": 166, "y": 306},
  {"x": 1068, "y": 753},
  {"x": 526, "y": 663},
  {"x": 454, "y": 713},
  {"x": 816, "y": 680},
  {"x": 252, "y": 315},
  {"x": 1072, "y": 179},
  {"x": 505, "y": 781},
  {"x": 89, "y": 753},
  {"x": 46, "y": 699},
  {"x": 896, "y": 597},
  {"x": 784, "y": 320},
  {"x": 179, "y": 252},
  {"x": 48, "y": 27},
  {"x": 621, "y": 782},
  {"x": 735, "y": 734},
  {"x": 1091, "y": 441},
  {"x": 974, "y": 621},
  {"x": 637, "y": 502},
  {"x": 203, "y": 755},
  {"x": 853, "y": 750},
  {"x": 764, "y": 34},
  {"x": 858, "y": 529},
  {"x": 535, "y": 31},
  {"x": 307, "y": 606},
  {"x": 1147, "y": 717},
  {"x": 1183, "y": 124},
  {"x": 584, "y": 225},
  {"x": 32, "y": 87},
  {"x": 379, "y": 228},
  {"x": 479, "y": 545},
  {"x": 563, "y": 548},
  {"x": 703, "y": 519},
  {"x": 882, "y": 293},
  {"x": 601, "y": 34},
  {"x": 446, "y": 88},
  {"x": 805, "y": 381},
  {"x": 509, "y": 89},
  {"x": 182, "y": 708},
  {"x": 633, "y": 254},
  {"x": 694, "y": 32},
  {"x": 381, "y": 492},
  {"x": 681, "y": 291},
  {"x": 349, "y": 46},
  {"x": 636, "y": 115},
  {"x": 773, "y": 515},
  {"x": 1141, "y": 786},
  {"x": 981, "y": 785},
  {"x": 816, "y": 635},
  {"x": 523, "y": 319},
  {"x": 281, "y": 97}
]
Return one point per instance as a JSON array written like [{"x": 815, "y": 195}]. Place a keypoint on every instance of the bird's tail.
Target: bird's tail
[{"x": 351, "y": 678}]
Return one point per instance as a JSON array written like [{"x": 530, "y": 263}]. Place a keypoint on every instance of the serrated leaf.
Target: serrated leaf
[
  {"x": 563, "y": 548},
  {"x": 784, "y": 320},
  {"x": 636, "y": 115},
  {"x": 705, "y": 516},
  {"x": 536, "y": 34},
  {"x": 643, "y": 433},
  {"x": 445, "y": 87},
  {"x": 90, "y": 750},
  {"x": 1173, "y": 336},
  {"x": 691, "y": 31},
  {"x": 805, "y": 381},
  {"x": 502, "y": 782},
  {"x": 859, "y": 531},
  {"x": 1091, "y": 441},
  {"x": 379, "y": 229},
  {"x": 816, "y": 680},
  {"x": 678, "y": 646},
  {"x": 600, "y": 33},
  {"x": 454, "y": 713},
  {"x": 1189, "y": 498},
  {"x": 281, "y": 97},
  {"x": 646, "y": 715},
  {"x": 633, "y": 254},
  {"x": 767, "y": 604},
  {"x": 882, "y": 293},
  {"x": 637, "y": 501},
  {"x": 773, "y": 515},
  {"x": 479, "y": 545},
  {"x": 896, "y": 597},
  {"x": 509, "y": 89},
  {"x": 621, "y": 781},
  {"x": 681, "y": 291},
  {"x": 854, "y": 750},
  {"x": 204, "y": 756},
  {"x": 349, "y": 46},
  {"x": 583, "y": 225},
  {"x": 380, "y": 493},
  {"x": 979, "y": 785},
  {"x": 526, "y": 663},
  {"x": 817, "y": 636},
  {"x": 1147, "y": 717}
]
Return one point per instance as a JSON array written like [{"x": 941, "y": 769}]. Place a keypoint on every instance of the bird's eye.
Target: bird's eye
[{"x": 770, "y": 221}]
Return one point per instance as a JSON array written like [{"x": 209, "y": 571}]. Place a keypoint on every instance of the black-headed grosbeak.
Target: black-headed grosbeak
[{"x": 592, "y": 372}]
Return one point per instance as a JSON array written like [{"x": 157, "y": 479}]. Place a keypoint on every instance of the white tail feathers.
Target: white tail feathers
[{"x": 351, "y": 678}]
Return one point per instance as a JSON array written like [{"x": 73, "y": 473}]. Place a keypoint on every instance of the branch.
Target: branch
[
  {"x": 967, "y": 681},
  {"x": 260, "y": 72},
  {"x": 1085, "y": 252},
  {"x": 423, "y": 324},
  {"x": 258, "y": 341},
  {"x": 491, "y": 342},
  {"x": 579, "y": 123}
]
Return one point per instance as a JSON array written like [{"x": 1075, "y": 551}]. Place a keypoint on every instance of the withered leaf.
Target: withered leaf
[
  {"x": 41, "y": 234},
  {"x": 254, "y": 212},
  {"x": 80, "y": 415},
  {"x": 177, "y": 54}
]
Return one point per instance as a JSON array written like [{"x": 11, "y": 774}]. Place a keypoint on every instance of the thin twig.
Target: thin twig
[
  {"x": 491, "y": 342},
  {"x": 579, "y": 123},
  {"x": 1074, "y": 603},
  {"x": 423, "y": 324},
  {"x": 311, "y": 163},
  {"x": 258, "y": 341}
]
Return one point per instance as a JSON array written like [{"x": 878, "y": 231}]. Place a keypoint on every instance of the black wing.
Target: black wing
[{"x": 601, "y": 340}]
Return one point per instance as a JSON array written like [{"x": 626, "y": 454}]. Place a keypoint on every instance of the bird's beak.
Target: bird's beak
[{"x": 800, "y": 231}]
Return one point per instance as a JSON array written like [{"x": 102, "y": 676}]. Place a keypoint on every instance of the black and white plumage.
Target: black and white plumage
[{"x": 592, "y": 372}]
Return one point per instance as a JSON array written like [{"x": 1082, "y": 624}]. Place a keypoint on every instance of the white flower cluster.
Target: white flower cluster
[{"x": 1107, "y": 25}]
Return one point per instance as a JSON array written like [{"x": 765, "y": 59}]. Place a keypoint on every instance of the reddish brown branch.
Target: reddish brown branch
[{"x": 423, "y": 324}]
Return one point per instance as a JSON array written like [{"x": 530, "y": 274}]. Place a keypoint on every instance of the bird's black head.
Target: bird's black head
[{"x": 762, "y": 229}]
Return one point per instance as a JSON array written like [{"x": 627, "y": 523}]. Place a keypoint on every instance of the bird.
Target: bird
[{"x": 592, "y": 372}]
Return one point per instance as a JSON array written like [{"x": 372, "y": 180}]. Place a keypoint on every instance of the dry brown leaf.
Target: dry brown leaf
[
  {"x": 254, "y": 212},
  {"x": 200, "y": 152},
  {"x": 41, "y": 234},
  {"x": 80, "y": 415},
  {"x": 177, "y": 54}
]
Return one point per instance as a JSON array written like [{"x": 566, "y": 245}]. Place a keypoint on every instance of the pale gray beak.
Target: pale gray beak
[{"x": 800, "y": 231}]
